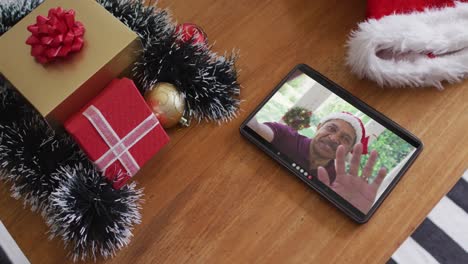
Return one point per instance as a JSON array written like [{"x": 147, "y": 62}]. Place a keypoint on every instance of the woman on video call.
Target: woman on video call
[{"x": 323, "y": 156}]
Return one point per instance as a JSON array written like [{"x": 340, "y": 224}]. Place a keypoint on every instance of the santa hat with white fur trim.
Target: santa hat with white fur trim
[
  {"x": 355, "y": 122},
  {"x": 411, "y": 42}
]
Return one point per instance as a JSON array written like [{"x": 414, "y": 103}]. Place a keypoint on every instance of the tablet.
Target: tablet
[{"x": 332, "y": 141}]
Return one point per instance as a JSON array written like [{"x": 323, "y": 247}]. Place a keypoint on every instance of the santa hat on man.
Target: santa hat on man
[
  {"x": 355, "y": 122},
  {"x": 411, "y": 42}
]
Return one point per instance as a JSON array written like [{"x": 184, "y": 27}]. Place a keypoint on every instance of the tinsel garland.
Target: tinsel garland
[
  {"x": 31, "y": 152},
  {"x": 51, "y": 174},
  {"x": 86, "y": 211},
  {"x": 207, "y": 81}
]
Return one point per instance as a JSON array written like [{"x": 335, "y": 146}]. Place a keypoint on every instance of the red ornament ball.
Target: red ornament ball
[
  {"x": 55, "y": 36},
  {"x": 191, "y": 33}
]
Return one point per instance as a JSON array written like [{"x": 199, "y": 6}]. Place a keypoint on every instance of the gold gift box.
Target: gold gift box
[{"x": 61, "y": 88}]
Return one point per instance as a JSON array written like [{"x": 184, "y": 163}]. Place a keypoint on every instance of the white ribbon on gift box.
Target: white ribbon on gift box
[{"x": 118, "y": 148}]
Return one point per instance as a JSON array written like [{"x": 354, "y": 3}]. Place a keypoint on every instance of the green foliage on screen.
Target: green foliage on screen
[{"x": 392, "y": 150}]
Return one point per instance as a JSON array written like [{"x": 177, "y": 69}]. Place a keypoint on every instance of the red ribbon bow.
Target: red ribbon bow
[{"x": 56, "y": 35}]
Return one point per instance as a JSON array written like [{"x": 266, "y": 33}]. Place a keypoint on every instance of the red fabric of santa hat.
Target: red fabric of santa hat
[{"x": 411, "y": 43}]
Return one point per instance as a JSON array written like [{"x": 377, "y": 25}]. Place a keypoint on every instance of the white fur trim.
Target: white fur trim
[
  {"x": 442, "y": 32},
  {"x": 348, "y": 118}
]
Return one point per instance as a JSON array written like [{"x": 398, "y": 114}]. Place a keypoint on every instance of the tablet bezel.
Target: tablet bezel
[{"x": 315, "y": 184}]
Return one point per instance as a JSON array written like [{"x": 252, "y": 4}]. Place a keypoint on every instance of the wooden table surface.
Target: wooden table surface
[{"x": 212, "y": 197}]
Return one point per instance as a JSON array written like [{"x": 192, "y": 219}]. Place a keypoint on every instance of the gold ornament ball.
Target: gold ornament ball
[{"x": 166, "y": 103}]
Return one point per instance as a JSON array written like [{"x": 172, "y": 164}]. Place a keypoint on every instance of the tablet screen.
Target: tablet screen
[{"x": 327, "y": 139}]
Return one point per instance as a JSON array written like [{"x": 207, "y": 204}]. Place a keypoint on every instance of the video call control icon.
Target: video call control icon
[{"x": 301, "y": 170}]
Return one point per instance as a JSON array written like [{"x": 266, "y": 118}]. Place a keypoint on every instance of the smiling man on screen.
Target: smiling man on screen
[{"x": 323, "y": 156}]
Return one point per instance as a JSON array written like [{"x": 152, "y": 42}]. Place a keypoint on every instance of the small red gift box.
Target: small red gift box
[{"x": 118, "y": 131}]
